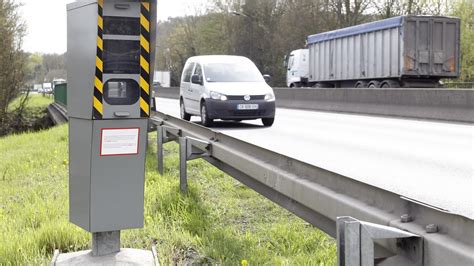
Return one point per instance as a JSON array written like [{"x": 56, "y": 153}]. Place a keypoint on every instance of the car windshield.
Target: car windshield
[{"x": 232, "y": 72}]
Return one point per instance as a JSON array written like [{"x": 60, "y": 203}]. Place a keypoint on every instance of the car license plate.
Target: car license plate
[{"x": 247, "y": 106}]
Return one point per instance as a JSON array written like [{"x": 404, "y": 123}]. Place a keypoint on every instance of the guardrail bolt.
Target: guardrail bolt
[
  {"x": 406, "y": 218},
  {"x": 432, "y": 228}
]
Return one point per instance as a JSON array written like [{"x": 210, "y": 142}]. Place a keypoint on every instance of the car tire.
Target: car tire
[
  {"x": 268, "y": 122},
  {"x": 182, "y": 111},
  {"x": 205, "y": 120}
]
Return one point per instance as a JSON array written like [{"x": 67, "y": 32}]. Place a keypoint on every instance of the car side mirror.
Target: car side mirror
[
  {"x": 197, "y": 79},
  {"x": 267, "y": 78}
]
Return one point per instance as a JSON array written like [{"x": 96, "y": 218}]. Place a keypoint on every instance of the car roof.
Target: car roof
[{"x": 205, "y": 59}]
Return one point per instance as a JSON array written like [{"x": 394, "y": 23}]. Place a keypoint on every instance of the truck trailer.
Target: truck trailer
[{"x": 403, "y": 51}]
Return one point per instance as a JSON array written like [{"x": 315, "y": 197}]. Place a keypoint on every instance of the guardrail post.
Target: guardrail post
[
  {"x": 159, "y": 148},
  {"x": 183, "y": 175},
  {"x": 356, "y": 246},
  {"x": 164, "y": 134},
  {"x": 190, "y": 149}
]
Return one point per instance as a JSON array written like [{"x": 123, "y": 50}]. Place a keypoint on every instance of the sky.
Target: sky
[{"x": 46, "y": 21}]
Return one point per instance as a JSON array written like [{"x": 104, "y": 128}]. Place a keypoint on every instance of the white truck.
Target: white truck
[
  {"x": 162, "y": 78},
  {"x": 404, "y": 51},
  {"x": 47, "y": 87},
  {"x": 38, "y": 88}
]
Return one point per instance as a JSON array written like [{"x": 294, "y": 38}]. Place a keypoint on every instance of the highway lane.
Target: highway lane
[{"x": 430, "y": 162}]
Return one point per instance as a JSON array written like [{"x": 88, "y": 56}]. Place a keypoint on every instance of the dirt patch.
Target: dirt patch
[{"x": 32, "y": 119}]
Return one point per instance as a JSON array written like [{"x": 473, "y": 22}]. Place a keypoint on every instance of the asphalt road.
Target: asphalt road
[{"x": 430, "y": 162}]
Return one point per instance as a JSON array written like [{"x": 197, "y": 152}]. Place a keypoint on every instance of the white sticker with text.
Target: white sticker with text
[{"x": 119, "y": 141}]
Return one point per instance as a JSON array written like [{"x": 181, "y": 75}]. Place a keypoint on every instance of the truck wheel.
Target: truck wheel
[
  {"x": 268, "y": 122},
  {"x": 321, "y": 85},
  {"x": 390, "y": 84},
  {"x": 182, "y": 111},
  {"x": 205, "y": 120},
  {"x": 374, "y": 84},
  {"x": 361, "y": 84}
]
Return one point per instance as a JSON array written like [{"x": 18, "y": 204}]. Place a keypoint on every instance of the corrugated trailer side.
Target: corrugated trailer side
[
  {"x": 417, "y": 49},
  {"x": 361, "y": 52}
]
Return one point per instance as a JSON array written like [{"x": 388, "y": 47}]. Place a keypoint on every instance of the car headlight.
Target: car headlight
[
  {"x": 269, "y": 97},
  {"x": 218, "y": 96}
]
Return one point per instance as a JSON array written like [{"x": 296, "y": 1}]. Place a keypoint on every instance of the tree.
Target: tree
[
  {"x": 464, "y": 9},
  {"x": 34, "y": 71},
  {"x": 54, "y": 66},
  {"x": 175, "y": 44},
  {"x": 349, "y": 12},
  {"x": 12, "y": 58},
  {"x": 389, "y": 8}
]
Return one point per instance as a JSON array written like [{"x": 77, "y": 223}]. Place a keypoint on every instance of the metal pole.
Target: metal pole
[
  {"x": 105, "y": 243},
  {"x": 352, "y": 244},
  {"x": 159, "y": 150},
  {"x": 183, "y": 157}
]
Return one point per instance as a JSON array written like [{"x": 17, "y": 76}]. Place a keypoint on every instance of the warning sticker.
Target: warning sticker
[{"x": 119, "y": 141}]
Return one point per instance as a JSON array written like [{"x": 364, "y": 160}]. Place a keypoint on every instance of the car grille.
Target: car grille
[{"x": 241, "y": 97}]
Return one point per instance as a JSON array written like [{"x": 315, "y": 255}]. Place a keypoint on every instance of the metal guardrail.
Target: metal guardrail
[
  {"x": 431, "y": 104},
  {"x": 58, "y": 113},
  {"x": 382, "y": 227}
]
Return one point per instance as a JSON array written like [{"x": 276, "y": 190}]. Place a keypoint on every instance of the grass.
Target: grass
[
  {"x": 34, "y": 101},
  {"x": 219, "y": 221}
]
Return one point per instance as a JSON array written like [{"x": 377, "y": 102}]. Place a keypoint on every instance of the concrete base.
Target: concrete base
[{"x": 126, "y": 256}]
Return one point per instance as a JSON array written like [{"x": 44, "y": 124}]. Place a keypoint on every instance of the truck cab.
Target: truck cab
[{"x": 297, "y": 68}]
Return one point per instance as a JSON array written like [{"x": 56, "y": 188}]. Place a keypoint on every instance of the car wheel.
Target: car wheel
[
  {"x": 205, "y": 120},
  {"x": 182, "y": 111},
  {"x": 268, "y": 122}
]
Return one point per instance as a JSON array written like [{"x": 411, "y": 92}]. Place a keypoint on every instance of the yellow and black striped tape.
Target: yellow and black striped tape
[
  {"x": 145, "y": 60},
  {"x": 98, "y": 110}
]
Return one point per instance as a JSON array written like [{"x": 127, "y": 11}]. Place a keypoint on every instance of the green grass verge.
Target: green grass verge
[
  {"x": 219, "y": 221},
  {"x": 34, "y": 101}
]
